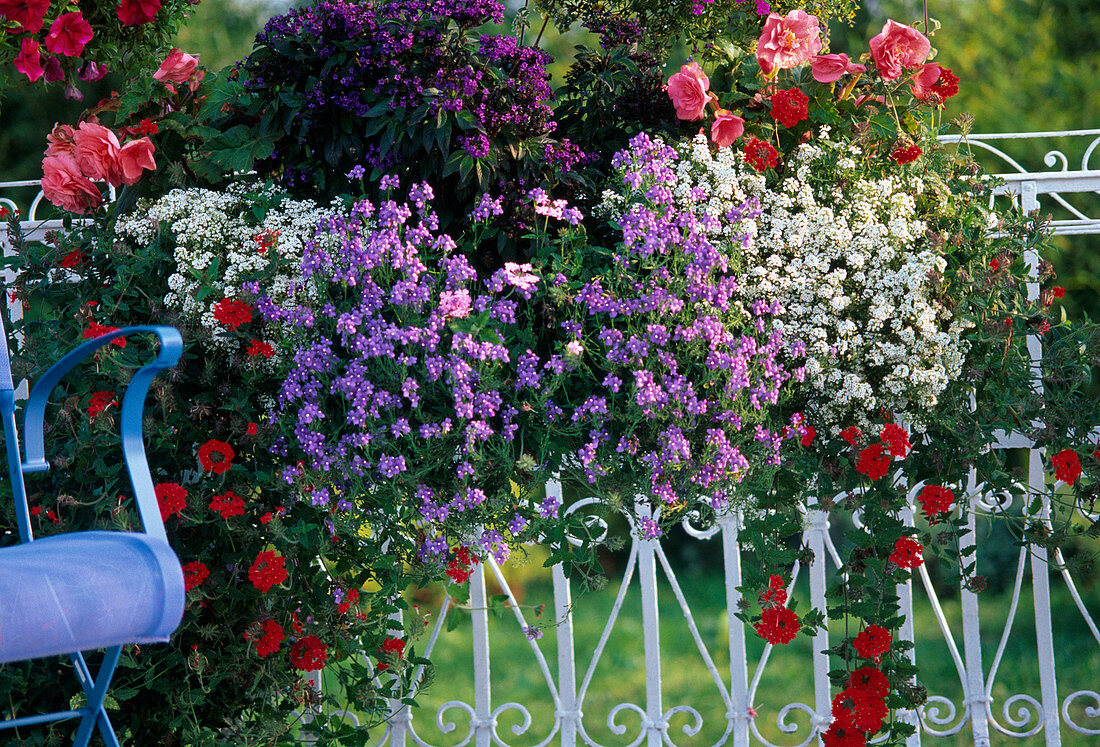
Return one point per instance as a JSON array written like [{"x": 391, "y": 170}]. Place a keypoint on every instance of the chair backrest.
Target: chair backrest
[{"x": 11, "y": 440}]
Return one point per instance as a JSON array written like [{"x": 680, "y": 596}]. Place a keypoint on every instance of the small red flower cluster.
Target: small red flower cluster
[
  {"x": 95, "y": 329},
  {"x": 228, "y": 504},
  {"x": 778, "y": 623},
  {"x": 1067, "y": 466},
  {"x": 859, "y": 709},
  {"x": 906, "y": 154},
  {"x": 352, "y": 597},
  {"x": 269, "y": 641},
  {"x": 232, "y": 313},
  {"x": 761, "y": 155},
  {"x": 266, "y": 240},
  {"x": 260, "y": 348},
  {"x": 267, "y": 570},
  {"x": 873, "y": 642},
  {"x": 72, "y": 259},
  {"x": 194, "y": 573},
  {"x": 935, "y": 500},
  {"x": 308, "y": 654},
  {"x": 462, "y": 566},
  {"x": 948, "y": 84},
  {"x": 907, "y": 553},
  {"x": 99, "y": 402},
  {"x": 391, "y": 647},
  {"x": 221, "y": 450},
  {"x": 874, "y": 461},
  {"x": 807, "y": 438},
  {"x": 789, "y": 107},
  {"x": 171, "y": 498}
]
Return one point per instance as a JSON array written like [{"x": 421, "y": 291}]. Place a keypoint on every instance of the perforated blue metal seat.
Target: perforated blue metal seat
[{"x": 76, "y": 592}]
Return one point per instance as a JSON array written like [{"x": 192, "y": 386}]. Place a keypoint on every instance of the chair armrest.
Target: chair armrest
[{"x": 133, "y": 404}]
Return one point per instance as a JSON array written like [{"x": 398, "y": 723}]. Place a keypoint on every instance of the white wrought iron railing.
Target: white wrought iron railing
[{"x": 1047, "y": 713}]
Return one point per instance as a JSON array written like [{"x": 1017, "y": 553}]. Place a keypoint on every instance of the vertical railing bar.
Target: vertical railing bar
[
  {"x": 739, "y": 714},
  {"x": 974, "y": 695},
  {"x": 568, "y": 715},
  {"x": 651, "y": 634},
  {"x": 479, "y": 613},
  {"x": 908, "y": 633},
  {"x": 817, "y": 526}
]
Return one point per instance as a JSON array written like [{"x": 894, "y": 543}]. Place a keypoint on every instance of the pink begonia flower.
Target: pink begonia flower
[
  {"x": 29, "y": 14},
  {"x": 96, "y": 153},
  {"x": 60, "y": 141},
  {"x": 135, "y": 156},
  {"x": 924, "y": 79},
  {"x": 64, "y": 185},
  {"x": 136, "y": 12},
  {"x": 520, "y": 275},
  {"x": 726, "y": 128},
  {"x": 787, "y": 41},
  {"x": 178, "y": 67},
  {"x": 68, "y": 35},
  {"x": 828, "y": 68},
  {"x": 29, "y": 60},
  {"x": 688, "y": 91},
  {"x": 898, "y": 47}
]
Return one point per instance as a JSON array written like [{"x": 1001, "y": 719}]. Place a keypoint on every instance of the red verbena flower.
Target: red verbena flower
[
  {"x": 194, "y": 573},
  {"x": 99, "y": 402},
  {"x": 171, "y": 498},
  {"x": 227, "y": 504},
  {"x": 72, "y": 259},
  {"x": 807, "y": 439},
  {"x": 760, "y": 155},
  {"x": 1067, "y": 466},
  {"x": 864, "y": 709},
  {"x": 906, "y": 154},
  {"x": 232, "y": 313},
  {"x": 871, "y": 680},
  {"x": 872, "y": 642},
  {"x": 994, "y": 264},
  {"x": 261, "y": 348},
  {"x": 873, "y": 462},
  {"x": 267, "y": 570},
  {"x": 935, "y": 500},
  {"x": 778, "y": 625},
  {"x": 394, "y": 646},
  {"x": 95, "y": 329},
  {"x": 1058, "y": 291},
  {"x": 852, "y": 435},
  {"x": 789, "y": 107},
  {"x": 948, "y": 84},
  {"x": 776, "y": 593},
  {"x": 308, "y": 654},
  {"x": 250, "y": 430},
  {"x": 907, "y": 553},
  {"x": 221, "y": 450},
  {"x": 271, "y": 640},
  {"x": 896, "y": 439},
  {"x": 843, "y": 732}
]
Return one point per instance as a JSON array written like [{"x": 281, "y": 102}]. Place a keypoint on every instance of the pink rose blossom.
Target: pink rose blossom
[
  {"x": 787, "y": 41},
  {"x": 136, "y": 12},
  {"x": 68, "y": 35},
  {"x": 65, "y": 186},
  {"x": 924, "y": 79},
  {"x": 688, "y": 91},
  {"x": 96, "y": 153},
  {"x": 29, "y": 61},
  {"x": 828, "y": 68},
  {"x": 60, "y": 141},
  {"x": 726, "y": 128},
  {"x": 135, "y": 156},
  {"x": 898, "y": 47},
  {"x": 178, "y": 67}
]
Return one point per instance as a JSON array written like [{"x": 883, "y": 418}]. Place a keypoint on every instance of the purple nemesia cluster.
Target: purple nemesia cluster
[
  {"x": 397, "y": 394},
  {"x": 672, "y": 368}
]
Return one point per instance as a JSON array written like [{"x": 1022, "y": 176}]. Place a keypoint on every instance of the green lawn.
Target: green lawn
[{"x": 620, "y": 674}]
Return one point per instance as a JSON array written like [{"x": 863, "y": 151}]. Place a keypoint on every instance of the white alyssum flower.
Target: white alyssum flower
[
  {"x": 846, "y": 256},
  {"x": 220, "y": 243}
]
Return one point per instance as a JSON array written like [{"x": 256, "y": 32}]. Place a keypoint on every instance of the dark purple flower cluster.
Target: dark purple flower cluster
[
  {"x": 615, "y": 30},
  {"x": 663, "y": 371}
]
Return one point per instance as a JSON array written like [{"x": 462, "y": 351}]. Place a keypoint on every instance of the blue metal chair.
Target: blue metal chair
[{"x": 88, "y": 590}]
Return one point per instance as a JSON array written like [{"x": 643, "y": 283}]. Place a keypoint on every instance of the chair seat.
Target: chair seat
[{"x": 87, "y": 590}]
